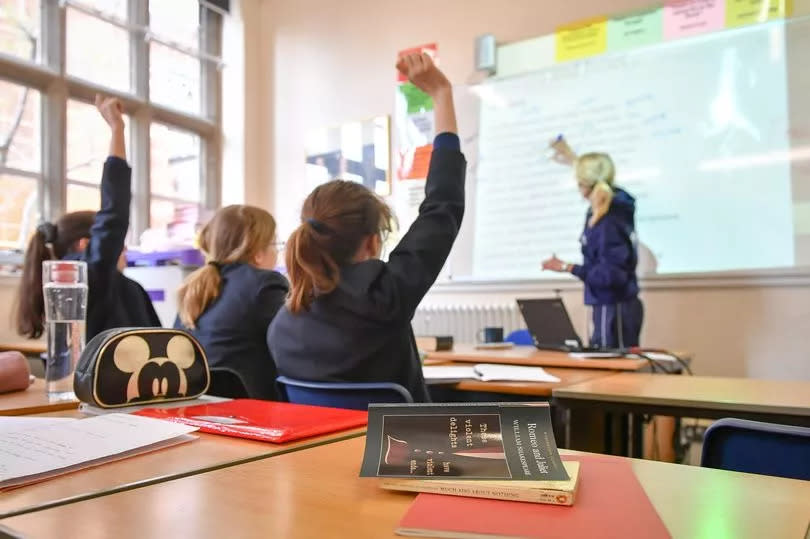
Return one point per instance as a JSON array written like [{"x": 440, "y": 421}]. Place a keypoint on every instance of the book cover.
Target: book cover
[
  {"x": 611, "y": 503},
  {"x": 509, "y": 441},
  {"x": 553, "y": 492},
  {"x": 266, "y": 421}
]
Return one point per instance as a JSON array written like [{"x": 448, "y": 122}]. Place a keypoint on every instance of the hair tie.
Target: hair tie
[
  {"x": 319, "y": 227},
  {"x": 217, "y": 265},
  {"x": 48, "y": 231}
]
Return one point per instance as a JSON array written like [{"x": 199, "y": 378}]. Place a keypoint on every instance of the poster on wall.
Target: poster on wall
[
  {"x": 414, "y": 121},
  {"x": 354, "y": 151}
]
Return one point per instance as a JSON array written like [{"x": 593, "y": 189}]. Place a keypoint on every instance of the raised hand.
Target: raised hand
[
  {"x": 111, "y": 110},
  {"x": 423, "y": 73}
]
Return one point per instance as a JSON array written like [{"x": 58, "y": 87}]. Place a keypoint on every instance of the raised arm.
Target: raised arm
[
  {"x": 108, "y": 233},
  {"x": 419, "y": 257}
]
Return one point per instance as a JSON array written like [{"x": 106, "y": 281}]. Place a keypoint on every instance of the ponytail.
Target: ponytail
[
  {"x": 597, "y": 171},
  {"x": 197, "y": 292},
  {"x": 310, "y": 268},
  {"x": 335, "y": 220},
  {"x": 236, "y": 234},
  {"x": 49, "y": 242},
  {"x": 30, "y": 302},
  {"x": 600, "y": 198}
]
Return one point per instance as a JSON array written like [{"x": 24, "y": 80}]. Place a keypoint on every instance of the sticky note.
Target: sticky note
[
  {"x": 683, "y": 18},
  {"x": 742, "y": 12},
  {"x": 635, "y": 30},
  {"x": 582, "y": 39}
]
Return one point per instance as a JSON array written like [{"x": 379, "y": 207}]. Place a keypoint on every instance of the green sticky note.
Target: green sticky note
[
  {"x": 635, "y": 30},
  {"x": 418, "y": 101}
]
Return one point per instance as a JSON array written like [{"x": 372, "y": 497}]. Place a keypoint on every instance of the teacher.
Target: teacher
[{"x": 609, "y": 250}]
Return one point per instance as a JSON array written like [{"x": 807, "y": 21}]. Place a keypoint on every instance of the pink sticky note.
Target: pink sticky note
[{"x": 684, "y": 18}]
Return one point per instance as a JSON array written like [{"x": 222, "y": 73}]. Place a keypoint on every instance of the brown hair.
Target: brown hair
[
  {"x": 335, "y": 219},
  {"x": 235, "y": 234},
  {"x": 50, "y": 242}
]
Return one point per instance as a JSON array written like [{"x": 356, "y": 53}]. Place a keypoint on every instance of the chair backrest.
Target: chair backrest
[
  {"x": 754, "y": 447},
  {"x": 341, "y": 395},
  {"x": 227, "y": 383},
  {"x": 520, "y": 337}
]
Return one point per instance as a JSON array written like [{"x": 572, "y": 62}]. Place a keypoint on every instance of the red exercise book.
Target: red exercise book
[
  {"x": 610, "y": 503},
  {"x": 266, "y": 421}
]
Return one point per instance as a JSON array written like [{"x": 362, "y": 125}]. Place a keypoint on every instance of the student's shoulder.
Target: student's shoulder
[{"x": 254, "y": 277}]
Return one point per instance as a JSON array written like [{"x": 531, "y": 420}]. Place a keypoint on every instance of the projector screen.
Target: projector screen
[{"x": 711, "y": 134}]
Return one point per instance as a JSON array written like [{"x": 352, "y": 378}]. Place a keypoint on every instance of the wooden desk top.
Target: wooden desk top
[
  {"x": 32, "y": 401},
  {"x": 28, "y": 348},
  {"x": 707, "y": 392},
  {"x": 529, "y": 355},
  {"x": 204, "y": 454},
  {"x": 536, "y": 389},
  {"x": 317, "y": 493}
]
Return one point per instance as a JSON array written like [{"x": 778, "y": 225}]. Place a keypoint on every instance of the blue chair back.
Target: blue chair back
[
  {"x": 355, "y": 396},
  {"x": 520, "y": 337},
  {"x": 754, "y": 447}
]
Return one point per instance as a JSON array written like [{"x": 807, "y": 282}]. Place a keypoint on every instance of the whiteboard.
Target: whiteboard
[{"x": 711, "y": 134}]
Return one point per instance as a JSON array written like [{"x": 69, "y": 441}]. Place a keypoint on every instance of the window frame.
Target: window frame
[{"x": 57, "y": 87}]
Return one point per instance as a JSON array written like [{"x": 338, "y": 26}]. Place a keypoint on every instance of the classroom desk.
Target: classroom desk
[
  {"x": 634, "y": 394},
  {"x": 317, "y": 493},
  {"x": 567, "y": 377},
  {"x": 529, "y": 355},
  {"x": 28, "y": 348},
  {"x": 209, "y": 452},
  {"x": 693, "y": 396},
  {"x": 32, "y": 401}
]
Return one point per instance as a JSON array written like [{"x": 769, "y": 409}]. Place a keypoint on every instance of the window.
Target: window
[
  {"x": 20, "y": 28},
  {"x": 161, "y": 57},
  {"x": 20, "y": 163},
  {"x": 176, "y": 179},
  {"x": 97, "y": 51}
]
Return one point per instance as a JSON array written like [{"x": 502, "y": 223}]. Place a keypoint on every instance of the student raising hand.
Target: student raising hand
[{"x": 112, "y": 111}]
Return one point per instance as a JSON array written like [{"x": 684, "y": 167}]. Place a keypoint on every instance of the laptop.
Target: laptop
[{"x": 551, "y": 328}]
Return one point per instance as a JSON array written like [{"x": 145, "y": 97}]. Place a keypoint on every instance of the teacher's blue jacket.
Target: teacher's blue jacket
[{"x": 609, "y": 254}]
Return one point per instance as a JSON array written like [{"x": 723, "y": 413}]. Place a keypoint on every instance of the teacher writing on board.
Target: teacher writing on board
[{"x": 609, "y": 250}]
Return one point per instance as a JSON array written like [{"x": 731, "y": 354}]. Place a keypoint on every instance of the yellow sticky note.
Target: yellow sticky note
[
  {"x": 582, "y": 39},
  {"x": 742, "y": 12}
]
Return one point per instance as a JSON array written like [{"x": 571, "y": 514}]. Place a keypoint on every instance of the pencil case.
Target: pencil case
[{"x": 126, "y": 366}]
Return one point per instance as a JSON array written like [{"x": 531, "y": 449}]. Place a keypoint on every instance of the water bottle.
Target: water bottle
[{"x": 64, "y": 288}]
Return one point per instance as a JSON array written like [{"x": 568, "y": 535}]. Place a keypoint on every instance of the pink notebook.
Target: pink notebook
[{"x": 611, "y": 503}]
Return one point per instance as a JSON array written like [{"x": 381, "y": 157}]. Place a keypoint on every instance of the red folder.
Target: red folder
[
  {"x": 266, "y": 421},
  {"x": 610, "y": 503}
]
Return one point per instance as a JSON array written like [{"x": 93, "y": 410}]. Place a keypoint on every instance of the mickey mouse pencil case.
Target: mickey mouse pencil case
[{"x": 124, "y": 366}]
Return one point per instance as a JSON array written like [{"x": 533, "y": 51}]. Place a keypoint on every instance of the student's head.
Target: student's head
[
  {"x": 595, "y": 173},
  {"x": 236, "y": 234},
  {"x": 52, "y": 241},
  {"x": 341, "y": 223}
]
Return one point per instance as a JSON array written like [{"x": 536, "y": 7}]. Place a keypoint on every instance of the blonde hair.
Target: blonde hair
[
  {"x": 235, "y": 234},
  {"x": 596, "y": 171},
  {"x": 335, "y": 219}
]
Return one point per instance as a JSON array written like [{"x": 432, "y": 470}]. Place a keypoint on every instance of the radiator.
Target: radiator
[{"x": 463, "y": 322}]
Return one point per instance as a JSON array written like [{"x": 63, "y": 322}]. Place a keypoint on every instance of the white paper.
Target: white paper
[
  {"x": 439, "y": 372},
  {"x": 659, "y": 356},
  {"x": 47, "y": 450},
  {"x": 487, "y": 372},
  {"x": 18, "y": 423},
  {"x": 595, "y": 355}
]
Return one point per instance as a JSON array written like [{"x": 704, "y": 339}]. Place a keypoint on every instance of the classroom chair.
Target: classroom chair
[
  {"x": 227, "y": 383},
  {"x": 520, "y": 337},
  {"x": 755, "y": 447},
  {"x": 355, "y": 396}
]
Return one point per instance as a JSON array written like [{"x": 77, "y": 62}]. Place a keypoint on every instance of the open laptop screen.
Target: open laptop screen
[{"x": 549, "y": 323}]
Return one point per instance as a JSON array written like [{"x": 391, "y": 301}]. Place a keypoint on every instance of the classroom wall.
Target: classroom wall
[{"x": 324, "y": 62}]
